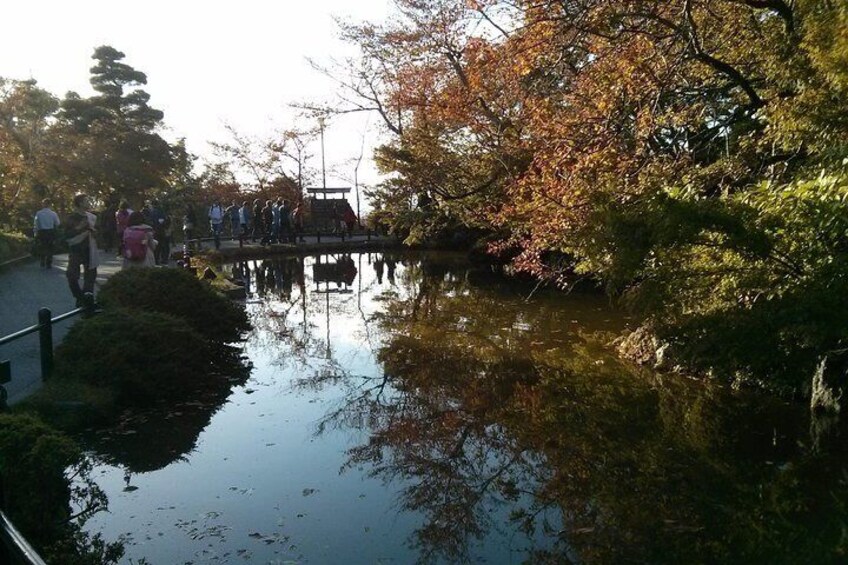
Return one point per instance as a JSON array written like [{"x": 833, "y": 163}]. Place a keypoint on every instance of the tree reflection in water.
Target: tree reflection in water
[
  {"x": 490, "y": 405},
  {"x": 145, "y": 440}
]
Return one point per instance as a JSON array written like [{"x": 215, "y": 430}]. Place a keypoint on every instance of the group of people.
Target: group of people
[
  {"x": 79, "y": 230},
  {"x": 150, "y": 226},
  {"x": 269, "y": 222},
  {"x": 144, "y": 238}
]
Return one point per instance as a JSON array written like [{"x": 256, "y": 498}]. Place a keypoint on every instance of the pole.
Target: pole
[
  {"x": 323, "y": 164},
  {"x": 45, "y": 338},
  {"x": 356, "y": 184}
]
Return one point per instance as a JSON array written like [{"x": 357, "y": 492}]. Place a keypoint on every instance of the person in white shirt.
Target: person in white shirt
[
  {"x": 44, "y": 229},
  {"x": 216, "y": 219}
]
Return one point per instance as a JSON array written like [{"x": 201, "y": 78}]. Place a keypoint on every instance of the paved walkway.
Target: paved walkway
[{"x": 24, "y": 289}]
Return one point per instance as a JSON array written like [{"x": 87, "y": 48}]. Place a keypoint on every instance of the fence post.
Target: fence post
[
  {"x": 88, "y": 304},
  {"x": 5, "y": 377},
  {"x": 368, "y": 234},
  {"x": 45, "y": 337},
  {"x": 318, "y": 233}
]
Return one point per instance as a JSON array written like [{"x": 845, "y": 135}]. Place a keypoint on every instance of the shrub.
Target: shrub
[
  {"x": 141, "y": 355},
  {"x": 71, "y": 406},
  {"x": 13, "y": 245},
  {"x": 36, "y": 466},
  {"x": 177, "y": 293}
]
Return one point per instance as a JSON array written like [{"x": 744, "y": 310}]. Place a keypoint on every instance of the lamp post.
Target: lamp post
[
  {"x": 323, "y": 164},
  {"x": 356, "y": 184}
]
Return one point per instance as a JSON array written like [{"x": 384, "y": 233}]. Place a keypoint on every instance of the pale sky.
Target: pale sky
[{"x": 207, "y": 63}]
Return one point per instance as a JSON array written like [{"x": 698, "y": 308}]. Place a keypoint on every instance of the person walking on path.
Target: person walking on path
[
  {"x": 108, "y": 227},
  {"x": 163, "y": 236},
  {"x": 139, "y": 243},
  {"x": 189, "y": 225},
  {"x": 216, "y": 221},
  {"x": 82, "y": 248},
  {"x": 257, "y": 220},
  {"x": 285, "y": 222},
  {"x": 267, "y": 223},
  {"x": 244, "y": 219},
  {"x": 44, "y": 229},
  {"x": 158, "y": 217},
  {"x": 232, "y": 212},
  {"x": 122, "y": 217},
  {"x": 297, "y": 222},
  {"x": 275, "y": 208},
  {"x": 349, "y": 218}
]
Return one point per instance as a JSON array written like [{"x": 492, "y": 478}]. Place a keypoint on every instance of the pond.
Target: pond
[{"x": 416, "y": 408}]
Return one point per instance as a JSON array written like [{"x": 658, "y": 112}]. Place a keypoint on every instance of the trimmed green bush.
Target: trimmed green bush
[
  {"x": 13, "y": 245},
  {"x": 72, "y": 406},
  {"x": 176, "y": 292},
  {"x": 141, "y": 355}
]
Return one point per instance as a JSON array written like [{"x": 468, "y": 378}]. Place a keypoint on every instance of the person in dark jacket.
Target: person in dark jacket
[
  {"x": 268, "y": 223},
  {"x": 82, "y": 248}
]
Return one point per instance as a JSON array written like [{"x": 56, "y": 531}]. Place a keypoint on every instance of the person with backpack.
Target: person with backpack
[
  {"x": 216, "y": 221},
  {"x": 139, "y": 244}
]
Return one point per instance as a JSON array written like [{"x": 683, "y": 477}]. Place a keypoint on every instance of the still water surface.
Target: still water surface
[{"x": 414, "y": 408}]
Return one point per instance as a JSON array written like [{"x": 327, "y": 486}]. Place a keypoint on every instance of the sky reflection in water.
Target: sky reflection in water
[{"x": 413, "y": 408}]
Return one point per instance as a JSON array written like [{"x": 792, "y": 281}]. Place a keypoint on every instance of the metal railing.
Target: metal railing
[
  {"x": 44, "y": 327},
  {"x": 14, "y": 548}
]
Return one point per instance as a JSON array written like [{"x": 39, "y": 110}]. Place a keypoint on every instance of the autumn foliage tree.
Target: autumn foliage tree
[{"x": 673, "y": 150}]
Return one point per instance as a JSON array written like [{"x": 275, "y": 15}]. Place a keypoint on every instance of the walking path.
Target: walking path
[{"x": 25, "y": 288}]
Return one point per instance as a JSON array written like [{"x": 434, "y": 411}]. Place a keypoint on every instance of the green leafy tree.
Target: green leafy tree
[{"x": 113, "y": 135}]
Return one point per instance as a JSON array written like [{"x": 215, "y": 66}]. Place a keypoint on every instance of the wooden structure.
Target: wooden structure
[{"x": 324, "y": 212}]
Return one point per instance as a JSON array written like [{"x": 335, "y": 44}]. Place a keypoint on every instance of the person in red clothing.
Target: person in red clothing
[
  {"x": 349, "y": 219},
  {"x": 122, "y": 218}
]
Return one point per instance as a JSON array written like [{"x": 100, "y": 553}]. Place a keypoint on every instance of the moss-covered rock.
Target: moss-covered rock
[{"x": 176, "y": 292}]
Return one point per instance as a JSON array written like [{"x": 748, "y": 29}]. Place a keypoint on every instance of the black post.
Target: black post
[
  {"x": 88, "y": 304},
  {"x": 5, "y": 377},
  {"x": 368, "y": 234},
  {"x": 45, "y": 338},
  {"x": 318, "y": 233}
]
